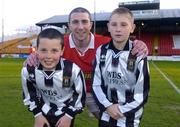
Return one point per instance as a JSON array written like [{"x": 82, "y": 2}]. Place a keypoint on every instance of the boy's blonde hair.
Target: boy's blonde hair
[{"x": 122, "y": 10}]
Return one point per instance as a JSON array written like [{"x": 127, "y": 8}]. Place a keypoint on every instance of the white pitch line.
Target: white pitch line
[{"x": 170, "y": 82}]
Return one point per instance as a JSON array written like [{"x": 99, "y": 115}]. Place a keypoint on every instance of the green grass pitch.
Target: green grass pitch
[{"x": 162, "y": 109}]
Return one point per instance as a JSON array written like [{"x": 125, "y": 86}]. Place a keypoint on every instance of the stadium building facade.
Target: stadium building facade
[{"x": 158, "y": 28}]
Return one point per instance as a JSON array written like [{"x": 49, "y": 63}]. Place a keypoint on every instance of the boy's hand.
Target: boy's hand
[
  {"x": 40, "y": 121},
  {"x": 140, "y": 48},
  {"x": 113, "y": 111},
  {"x": 64, "y": 121},
  {"x": 32, "y": 60}
]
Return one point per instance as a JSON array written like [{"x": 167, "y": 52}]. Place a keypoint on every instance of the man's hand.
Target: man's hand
[
  {"x": 114, "y": 112},
  {"x": 140, "y": 48},
  {"x": 32, "y": 60},
  {"x": 40, "y": 121},
  {"x": 64, "y": 121}
]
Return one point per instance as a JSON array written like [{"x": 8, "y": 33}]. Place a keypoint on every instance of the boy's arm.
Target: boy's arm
[
  {"x": 30, "y": 97},
  {"x": 141, "y": 89},
  {"x": 98, "y": 88},
  {"x": 114, "y": 111},
  {"x": 79, "y": 95}
]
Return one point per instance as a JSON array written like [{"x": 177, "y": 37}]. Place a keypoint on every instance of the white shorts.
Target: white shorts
[{"x": 91, "y": 104}]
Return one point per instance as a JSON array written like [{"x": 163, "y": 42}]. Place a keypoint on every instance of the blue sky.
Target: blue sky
[{"x": 18, "y": 13}]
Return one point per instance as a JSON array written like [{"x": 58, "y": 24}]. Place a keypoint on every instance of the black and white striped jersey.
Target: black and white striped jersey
[
  {"x": 54, "y": 92},
  {"x": 114, "y": 83}
]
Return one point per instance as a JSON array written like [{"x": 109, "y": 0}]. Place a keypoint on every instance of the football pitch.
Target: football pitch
[{"x": 161, "y": 110}]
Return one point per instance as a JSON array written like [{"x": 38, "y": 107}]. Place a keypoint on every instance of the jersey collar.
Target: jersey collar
[
  {"x": 58, "y": 66},
  {"x": 127, "y": 46},
  {"x": 91, "y": 44}
]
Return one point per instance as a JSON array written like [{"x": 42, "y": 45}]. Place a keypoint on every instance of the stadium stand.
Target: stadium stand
[
  {"x": 169, "y": 44},
  {"x": 176, "y": 46},
  {"x": 165, "y": 44},
  {"x": 148, "y": 39},
  {"x": 6, "y": 44},
  {"x": 159, "y": 29},
  {"x": 152, "y": 25},
  {"x": 176, "y": 40},
  {"x": 17, "y": 46}
]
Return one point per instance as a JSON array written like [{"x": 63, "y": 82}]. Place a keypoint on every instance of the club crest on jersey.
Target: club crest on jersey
[
  {"x": 102, "y": 59},
  {"x": 66, "y": 81},
  {"x": 131, "y": 62},
  {"x": 131, "y": 65},
  {"x": 31, "y": 77}
]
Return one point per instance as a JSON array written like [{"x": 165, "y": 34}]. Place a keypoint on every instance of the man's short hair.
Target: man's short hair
[{"x": 79, "y": 9}]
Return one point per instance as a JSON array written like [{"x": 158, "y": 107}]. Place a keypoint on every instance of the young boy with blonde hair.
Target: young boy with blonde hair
[{"x": 121, "y": 80}]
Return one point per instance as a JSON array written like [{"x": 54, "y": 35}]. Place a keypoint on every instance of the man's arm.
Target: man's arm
[
  {"x": 32, "y": 60},
  {"x": 140, "y": 48}
]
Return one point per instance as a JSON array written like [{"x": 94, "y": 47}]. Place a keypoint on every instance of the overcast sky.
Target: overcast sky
[{"x": 18, "y": 13}]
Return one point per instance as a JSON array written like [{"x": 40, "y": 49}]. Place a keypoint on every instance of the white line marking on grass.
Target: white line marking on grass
[{"x": 170, "y": 82}]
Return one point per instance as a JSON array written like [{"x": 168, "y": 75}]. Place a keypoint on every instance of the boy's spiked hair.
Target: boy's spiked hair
[{"x": 122, "y": 10}]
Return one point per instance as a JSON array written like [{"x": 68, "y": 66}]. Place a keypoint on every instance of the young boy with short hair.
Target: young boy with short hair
[
  {"x": 54, "y": 90},
  {"x": 121, "y": 80}
]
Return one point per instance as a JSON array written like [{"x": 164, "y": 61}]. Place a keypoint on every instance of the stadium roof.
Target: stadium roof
[
  {"x": 141, "y": 5},
  {"x": 60, "y": 20}
]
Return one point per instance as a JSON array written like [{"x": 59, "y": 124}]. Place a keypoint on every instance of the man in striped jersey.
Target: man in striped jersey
[
  {"x": 54, "y": 90},
  {"x": 121, "y": 80}
]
